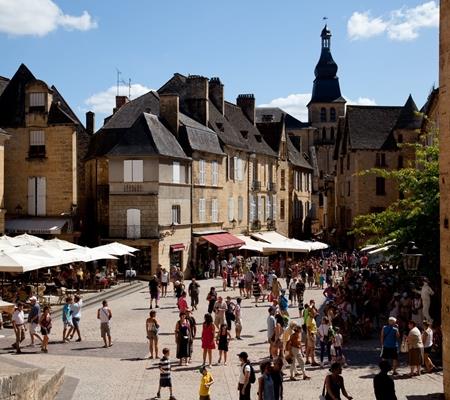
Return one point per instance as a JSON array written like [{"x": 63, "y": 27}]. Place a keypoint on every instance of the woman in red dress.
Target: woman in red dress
[{"x": 208, "y": 336}]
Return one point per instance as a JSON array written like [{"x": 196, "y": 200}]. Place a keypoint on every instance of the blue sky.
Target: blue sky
[{"x": 385, "y": 49}]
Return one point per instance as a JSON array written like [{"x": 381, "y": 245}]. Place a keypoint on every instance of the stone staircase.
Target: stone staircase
[{"x": 23, "y": 383}]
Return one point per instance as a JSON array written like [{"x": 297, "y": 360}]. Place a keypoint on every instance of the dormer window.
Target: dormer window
[
  {"x": 267, "y": 118},
  {"x": 258, "y": 138},
  {"x": 220, "y": 126},
  {"x": 244, "y": 134},
  {"x": 37, "y": 144},
  {"x": 37, "y": 101}
]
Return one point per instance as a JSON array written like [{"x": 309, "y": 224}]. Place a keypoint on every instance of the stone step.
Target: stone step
[{"x": 48, "y": 384}]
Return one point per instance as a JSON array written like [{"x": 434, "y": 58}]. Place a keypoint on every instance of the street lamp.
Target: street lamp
[{"x": 411, "y": 257}]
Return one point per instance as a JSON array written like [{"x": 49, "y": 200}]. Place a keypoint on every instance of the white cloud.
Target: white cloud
[
  {"x": 294, "y": 104},
  {"x": 401, "y": 25},
  {"x": 39, "y": 17},
  {"x": 104, "y": 102}
]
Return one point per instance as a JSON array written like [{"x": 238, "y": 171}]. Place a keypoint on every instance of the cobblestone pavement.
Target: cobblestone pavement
[{"x": 123, "y": 372}]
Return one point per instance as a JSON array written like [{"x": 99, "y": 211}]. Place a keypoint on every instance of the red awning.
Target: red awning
[
  {"x": 177, "y": 247},
  {"x": 224, "y": 241}
]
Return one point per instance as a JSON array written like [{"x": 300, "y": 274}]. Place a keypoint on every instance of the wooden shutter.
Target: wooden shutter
[
  {"x": 37, "y": 138},
  {"x": 214, "y": 210},
  {"x": 230, "y": 209},
  {"x": 274, "y": 207},
  {"x": 260, "y": 208},
  {"x": 176, "y": 172},
  {"x": 240, "y": 169},
  {"x": 268, "y": 208},
  {"x": 215, "y": 173},
  {"x": 252, "y": 207},
  {"x": 201, "y": 210},
  {"x": 240, "y": 208},
  {"x": 128, "y": 171},
  {"x": 41, "y": 192},
  {"x": 201, "y": 172},
  {"x": 133, "y": 223},
  {"x": 235, "y": 168},
  {"x": 32, "y": 196},
  {"x": 138, "y": 170}
]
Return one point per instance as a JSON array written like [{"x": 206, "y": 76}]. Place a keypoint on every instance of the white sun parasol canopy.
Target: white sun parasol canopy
[
  {"x": 61, "y": 244},
  {"x": 30, "y": 239},
  {"x": 116, "y": 249},
  {"x": 18, "y": 262},
  {"x": 86, "y": 254}
]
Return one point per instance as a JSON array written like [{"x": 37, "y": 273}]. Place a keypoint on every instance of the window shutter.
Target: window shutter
[
  {"x": 240, "y": 208},
  {"x": 201, "y": 210},
  {"x": 201, "y": 172},
  {"x": 260, "y": 208},
  {"x": 133, "y": 223},
  {"x": 215, "y": 173},
  {"x": 268, "y": 208},
  {"x": 32, "y": 196},
  {"x": 240, "y": 170},
  {"x": 214, "y": 211},
  {"x": 230, "y": 209},
  {"x": 138, "y": 170},
  {"x": 252, "y": 208},
  {"x": 37, "y": 99},
  {"x": 274, "y": 207},
  {"x": 128, "y": 171},
  {"x": 176, "y": 172},
  {"x": 41, "y": 196},
  {"x": 235, "y": 168},
  {"x": 37, "y": 138}
]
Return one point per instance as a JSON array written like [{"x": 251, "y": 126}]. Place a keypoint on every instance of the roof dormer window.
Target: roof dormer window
[
  {"x": 244, "y": 134},
  {"x": 37, "y": 101},
  {"x": 267, "y": 118},
  {"x": 258, "y": 138}
]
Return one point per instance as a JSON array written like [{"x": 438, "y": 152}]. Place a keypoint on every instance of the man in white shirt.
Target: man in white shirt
[
  {"x": 76, "y": 316},
  {"x": 104, "y": 315},
  {"x": 164, "y": 282},
  {"x": 18, "y": 321},
  {"x": 244, "y": 386}
]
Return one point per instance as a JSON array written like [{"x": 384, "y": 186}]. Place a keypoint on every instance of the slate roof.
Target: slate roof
[
  {"x": 3, "y": 83},
  {"x": 295, "y": 154},
  {"x": 198, "y": 137},
  {"x": 370, "y": 127},
  {"x": 255, "y": 140},
  {"x": 126, "y": 115},
  {"x": 60, "y": 112},
  {"x": 409, "y": 117},
  {"x": 431, "y": 100},
  {"x": 147, "y": 136},
  {"x": 291, "y": 123}
]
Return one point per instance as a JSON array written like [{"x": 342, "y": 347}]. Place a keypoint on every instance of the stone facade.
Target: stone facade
[
  {"x": 3, "y": 137},
  {"x": 444, "y": 140}
]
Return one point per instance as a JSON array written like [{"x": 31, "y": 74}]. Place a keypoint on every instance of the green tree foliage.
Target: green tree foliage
[{"x": 416, "y": 216}]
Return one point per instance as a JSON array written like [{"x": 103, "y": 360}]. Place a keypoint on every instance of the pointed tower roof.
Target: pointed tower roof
[
  {"x": 409, "y": 117},
  {"x": 326, "y": 87}
]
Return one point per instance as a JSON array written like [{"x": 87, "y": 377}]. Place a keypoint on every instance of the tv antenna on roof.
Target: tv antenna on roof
[{"x": 121, "y": 81}]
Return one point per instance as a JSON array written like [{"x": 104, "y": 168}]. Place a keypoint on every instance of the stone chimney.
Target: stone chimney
[
  {"x": 169, "y": 111},
  {"x": 247, "y": 103},
  {"x": 90, "y": 122},
  {"x": 197, "y": 92},
  {"x": 216, "y": 93},
  {"x": 120, "y": 101}
]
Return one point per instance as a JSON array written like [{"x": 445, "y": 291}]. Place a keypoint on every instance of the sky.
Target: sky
[{"x": 385, "y": 50}]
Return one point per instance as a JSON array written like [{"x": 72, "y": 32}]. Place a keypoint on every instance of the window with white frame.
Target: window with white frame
[
  {"x": 176, "y": 172},
  {"x": 230, "y": 209},
  {"x": 235, "y": 169},
  {"x": 240, "y": 208},
  {"x": 37, "y": 195},
  {"x": 133, "y": 171},
  {"x": 201, "y": 172},
  {"x": 260, "y": 209},
  {"x": 214, "y": 210},
  {"x": 269, "y": 207},
  {"x": 37, "y": 144},
  {"x": 202, "y": 210},
  {"x": 274, "y": 207},
  {"x": 240, "y": 169},
  {"x": 214, "y": 173},
  {"x": 176, "y": 214},
  {"x": 252, "y": 216},
  {"x": 133, "y": 223}
]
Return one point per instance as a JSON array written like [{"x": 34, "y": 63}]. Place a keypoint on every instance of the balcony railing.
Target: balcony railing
[
  {"x": 133, "y": 187},
  {"x": 256, "y": 186},
  {"x": 272, "y": 187},
  {"x": 133, "y": 231}
]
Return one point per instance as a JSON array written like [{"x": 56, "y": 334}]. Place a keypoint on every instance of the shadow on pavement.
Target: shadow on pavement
[{"x": 433, "y": 396}]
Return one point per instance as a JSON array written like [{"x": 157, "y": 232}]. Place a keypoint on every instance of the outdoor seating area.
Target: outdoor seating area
[{"x": 53, "y": 269}]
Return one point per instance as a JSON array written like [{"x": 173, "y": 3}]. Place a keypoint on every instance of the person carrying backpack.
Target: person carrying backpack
[{"x": 246, "y": 377}]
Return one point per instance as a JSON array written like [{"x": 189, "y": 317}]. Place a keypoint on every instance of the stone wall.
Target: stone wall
[{"x": 444, "y": 126}]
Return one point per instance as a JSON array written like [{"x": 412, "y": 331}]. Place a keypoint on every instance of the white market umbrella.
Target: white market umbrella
[
  {"x": 314, "y": 245},
  {"x": 7, "y": 307},
  {"x": 116, "y": 249},
  {"x": 61, "y": 244},
  {"x": 30, "y": 239},
  {"x": 86, "y": 254},
  {"x": 12, "y": 241},
  {"x": 55, "y": 256},
  {"x": 17, "y": 262},
  {"x": 5, "y": 246}
]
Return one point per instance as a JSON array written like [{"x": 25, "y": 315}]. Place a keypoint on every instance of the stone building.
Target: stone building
[
  {"x": 44, "y": 172},
  {"x": 371, "y": 137},
  {"x": 444, "y": 141},
  {"x": 324, "y": 109},
  {"x": 140, "y": 179},
  {"x": 3, "y": 137},
  {"x": 294, "y": 179}
]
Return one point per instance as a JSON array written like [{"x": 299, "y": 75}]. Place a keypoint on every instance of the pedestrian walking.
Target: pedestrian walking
[
  {"x": 76, "y": 317},
  {"x": 389, "y": 343},
  {"x": 427, "y": 339},
  {"x": 219, "y": 309},
  {"x": 266, "y": 390},
  {"x": 46, "y": 326},
  {"x": 277, "y": 377},
  {"x": 246, "y": 377},
  {"x": 164, "y": 282},
  {"x": 223, "y": 339},
  {"x": 104, "y": 314},
  {"x": 238, "y": 318},
  {"x": 383, "y": 384},
  {"x": 193, "y": 290},
  {"x": 294, "y": 347},
  {"x": 415, "y": 349},
  {"x": 334, "y": 384},
  {"x": 276, "y": 342},
  {"x": 182, "y": 339},
  {"x": 152, "y": 328},
  {"x": 271, "y": 323},
  {"x": 193, "y": 332},
  {"x": 165, "y": 374},
  {"x": 211, "y": 298},
  {"x": 311, "y": 336},
  {"x": 182, "y": 302},
  {"x": 325, "y": 338},
  {"x": 206, "y": 382},
  {"x": 33, "y": 320},
  {"x": 256, "y": 291},
  {"x": 153, "y": 287},
  {"x": 18, "y": 323},
  {"x": 229, "y": 313},
  {"x": 208, "y": 335},
  {"x": 67, "y": 319}
]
